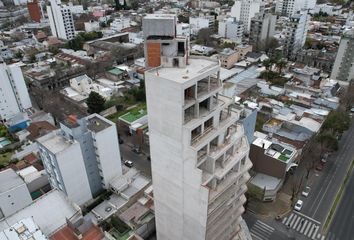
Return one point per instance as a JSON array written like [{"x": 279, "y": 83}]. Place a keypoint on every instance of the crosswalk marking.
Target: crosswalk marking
[
  {"x": 261, "y": 231},
  {"x": 303, "y": 224}
]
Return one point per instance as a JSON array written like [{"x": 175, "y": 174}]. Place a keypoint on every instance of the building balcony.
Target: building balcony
[
  {"x": 230, "y": 160},
  {"x": 218, "y": 222},
  {"x": 198, "y": 138},
  {"x": 236, "y": 132}
]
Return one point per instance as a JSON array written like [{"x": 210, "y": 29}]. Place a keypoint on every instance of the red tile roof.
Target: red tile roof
[
  {"x": 66, "y": 233},
  {"x": 38, "y": 129}
]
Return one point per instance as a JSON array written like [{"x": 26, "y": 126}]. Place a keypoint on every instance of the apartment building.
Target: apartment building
[
  {"x": 262, "y": 28},
  {"x": 82, "y": 157},
  {"x": 290, "y": 7},
  {"x": 245, "y": 10},
  {"x": 61, "y": 20},
  {"x": 231, "y": 29},
  {"x": 343, "y": 68},
  {"x": 14, "y": 97},
  {"x": 296, "y": 32},
  {"x": 198, "y": 149}
]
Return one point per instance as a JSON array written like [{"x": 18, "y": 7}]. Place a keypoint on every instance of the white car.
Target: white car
[
  {"x": 128, "y": 163},
  {"x": 306, "y": 191},
  {"x": 298, "y": 205}
]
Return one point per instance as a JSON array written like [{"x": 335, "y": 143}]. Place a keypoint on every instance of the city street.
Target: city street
[
  {"x": 324, "y": 186},
  {"x": 328, "y": 182},
  {"x": 139, "y": 160},
  {"x": 343, "y": 221}
]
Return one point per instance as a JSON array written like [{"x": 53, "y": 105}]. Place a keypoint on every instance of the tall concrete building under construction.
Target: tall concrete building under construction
[{"x": 199, "y": 151}]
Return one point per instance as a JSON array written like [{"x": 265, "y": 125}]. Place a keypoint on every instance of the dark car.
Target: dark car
[
  {"x": 136, "y": 150},
  {"x": 319, "y": 167}
]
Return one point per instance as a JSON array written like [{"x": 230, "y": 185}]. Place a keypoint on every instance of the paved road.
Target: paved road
[
  {"x": 328, "y": 182},
  {"x": 261, "y": 229},
  {"x": 342, "y": 226},
  {"x": 140, "y": 161}
]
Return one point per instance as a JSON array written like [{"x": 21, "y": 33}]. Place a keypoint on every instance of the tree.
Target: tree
[
  {"x": 95, "y": 103},
  {"x": 267, "y": 64},
  {"x": 204, "y": 36},
  {"x": 337, "y": 122},
  {"x": 183, "y": 18},
  {"x": 327, "y": 141},
  {"x": 280, "y": 65},
  {"x": 295, "y": 189}
]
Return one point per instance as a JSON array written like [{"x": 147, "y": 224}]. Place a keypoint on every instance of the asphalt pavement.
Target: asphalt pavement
[
  {"x": 327, "y": 183},
  {"x": 342, "y": 226},
  {"x": 140, "y": 161}
]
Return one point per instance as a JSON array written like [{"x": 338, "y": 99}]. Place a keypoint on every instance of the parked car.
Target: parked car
[
  {"x": 319, "y": 167},
  {"x": 128, "y": 163},
  {"x": 298, "y": 205},
  {"x": 306, "y": 191},
  {"x": 136, "y": 150}
]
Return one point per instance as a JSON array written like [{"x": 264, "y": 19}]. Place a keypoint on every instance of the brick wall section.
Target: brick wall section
[
  {"x": 266, "y": 164},
  {"x": 154, "y": 54}
]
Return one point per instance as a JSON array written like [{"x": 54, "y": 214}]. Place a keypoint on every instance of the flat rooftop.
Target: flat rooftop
[
  {"x": 195, "y": 67},
  {"x": 55, "y": 142},
  {"x": 132, "y": 116},
  {"x": 9, "y": 180},
  {"x": 97, "y": 124},
  {"x": 48, "y": 212},
  {"x": 26, "y": 229}
]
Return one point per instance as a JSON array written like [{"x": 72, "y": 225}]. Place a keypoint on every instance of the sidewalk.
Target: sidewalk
[{"x": 280, "y": 206}]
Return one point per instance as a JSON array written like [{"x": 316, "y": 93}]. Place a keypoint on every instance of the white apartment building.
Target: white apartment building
[
  {"x": 290, "y": 7},
  {"x": 343, "y": 68},
  {"x": 14, "y": 194},
  {"x": 92, "y": 26},
  {"x": 119, "y": 24},
  {"x": 84, "y": 85},
  {"x": 14, "y": 97},
  {"x": 183, "y": 29},
  {"x": 199, "y": 152},
  {"x": 262, "y": 28},
  {"x": 296, "y": 32},
  {"x": 61, "y": 20},
  {"x": 231, "y": 29},
  {"x": 244, "y": 10},
  {"x": 82, "y": 157},
  {"x": 197, "y": 23}
]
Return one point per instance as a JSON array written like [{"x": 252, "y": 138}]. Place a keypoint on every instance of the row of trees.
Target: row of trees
[{"x": 78, "y": 42}]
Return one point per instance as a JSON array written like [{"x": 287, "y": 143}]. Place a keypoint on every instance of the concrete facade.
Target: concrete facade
[
  {"x": 245, "y": 10},
  {"x": 61, "y": 20},
  {"x": 290, "y": 7},
  {"x": 14, "y": 97},
  {"x": 199, "y": 152},
  {"x": 94, "y": 143},
  {"x": 231, "y": 29},
  {"x": 262, "y": 28},
  {"x": 296, "y": 32},
  {"x": 343, "y": 68}
]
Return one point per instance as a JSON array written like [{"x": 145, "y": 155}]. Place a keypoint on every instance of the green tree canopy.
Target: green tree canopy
[{"x": 95, "y": 103}]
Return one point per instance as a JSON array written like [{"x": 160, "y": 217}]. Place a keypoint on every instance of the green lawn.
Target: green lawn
[
  {"x": 114, "y": 117},
  {"x": 5, "y": 158}
]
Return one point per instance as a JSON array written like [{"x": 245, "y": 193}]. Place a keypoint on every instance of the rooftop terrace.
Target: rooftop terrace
[
  {"x": 97, "y": 124},
  {"x": 195, "y": 67}
]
